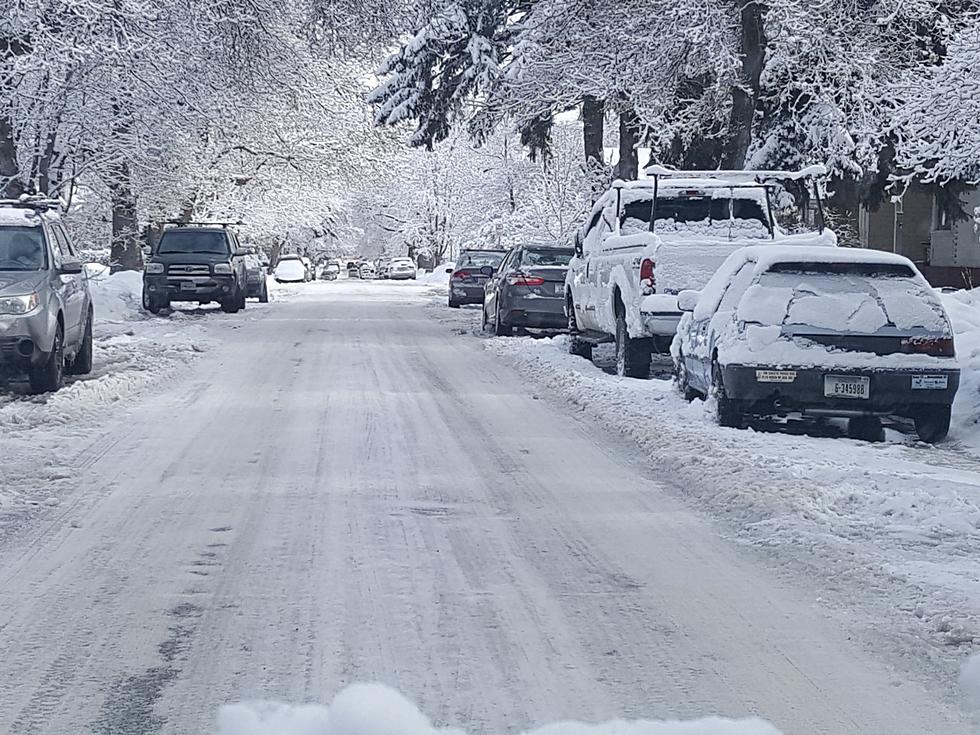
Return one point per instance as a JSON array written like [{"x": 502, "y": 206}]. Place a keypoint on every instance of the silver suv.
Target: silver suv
[{"x": 45, "y": 306}]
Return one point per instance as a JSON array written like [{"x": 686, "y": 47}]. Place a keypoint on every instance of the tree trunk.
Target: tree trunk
[
  {"x": 125, "y": 254},
  {"x": 11, "y": 184},
  {"x": 752, "y": 42},
  {"x": 628, "y": 167},
  {"x": 593, "y": 119}
]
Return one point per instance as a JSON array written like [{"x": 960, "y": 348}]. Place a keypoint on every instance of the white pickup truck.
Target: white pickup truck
[{"x": 645, "y": 241}]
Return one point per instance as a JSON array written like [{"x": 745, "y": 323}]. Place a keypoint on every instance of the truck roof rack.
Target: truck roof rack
[
  {"x": 179, "y": 223},
  {"x": 739, "y": 176},
  {"x": 37, "y": 202}
]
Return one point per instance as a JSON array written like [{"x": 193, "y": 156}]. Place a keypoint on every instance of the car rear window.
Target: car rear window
[
  {"x": 546, "y": 257},
  {"x": 688, "y": 210},
  {"x": 869, "y": 270},
  {"x": 479, "y": 259},
  {"x": 193, "y": 241},
  {"x": 22, "y": 249}
]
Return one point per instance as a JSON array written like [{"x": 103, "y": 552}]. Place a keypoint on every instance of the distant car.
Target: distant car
[
  {"x": 402, "y": 269},
  {"x": 467, "y": 282},
  {"x": 367, "y": 271},
  {"x": 331, "y": 271},
  {"x": 823, "y": 331},
  {"x": 353, "y": 269},
  {"x": 290, "y": 269},
  {"x": 528, "y": 290},
  {"x": 256, "y": 270},
  {"x": 198, "y": 263},
  {"x": 46, "y": 312},
  {"x": 383, "y": 267}
]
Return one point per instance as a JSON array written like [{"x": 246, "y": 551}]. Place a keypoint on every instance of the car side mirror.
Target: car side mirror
[
  {"x": 242, "y": 252},
  {"x": 687, "y": 300},
  {"x": 70, "y": 266},
  {"x": 578, "y": 244},
  {"x": 487, "y": 270},
  {"x": 147, "y": 251},
  {"x": 449, "y": 270}
]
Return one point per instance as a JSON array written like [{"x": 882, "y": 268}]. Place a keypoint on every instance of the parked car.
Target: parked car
[
  {"x": 822, "y": 331},
  {"x": 383, "y": 267},
  {"x": 527, "y": 290},
  {"x": 367, "y": 271},
  {"x": 46, "y": 312},
  {"x": 402, "y": 269},
  {"x": 256, "y": 270},
  {"x": 467, "y": 282},
  {"x": 353, "y": 269},
  {"x": 290, "y": 269},
  {"x": 645, "y": 241},
  {"x": 199, "y": 262},
  {"x": 331, "y": 271}
]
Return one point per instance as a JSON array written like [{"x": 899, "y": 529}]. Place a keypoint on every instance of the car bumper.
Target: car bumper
[
  {"x": 891, "y": 391},
  {"x": 660, "y": 323},
  {"x": 197, "y": 288},
  {"x": 461, "y": 293},
  {"x": 25, "y": 340},
  {"x": 536, "y": 312},
  {"x": 401, "y": 276}
]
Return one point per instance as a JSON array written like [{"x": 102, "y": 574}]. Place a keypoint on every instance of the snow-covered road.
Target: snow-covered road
[{"x": 343, "y": 489}]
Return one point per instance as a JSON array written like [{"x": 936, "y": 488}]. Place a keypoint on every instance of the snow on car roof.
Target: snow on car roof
[
  {"x": 766, "y": 256},
  {"x": 23, "y": 216}
]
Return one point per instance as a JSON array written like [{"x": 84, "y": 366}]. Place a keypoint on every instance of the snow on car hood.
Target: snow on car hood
[
  {"x": 291, "y": 269},
  {"x": 17, "y": 283}
]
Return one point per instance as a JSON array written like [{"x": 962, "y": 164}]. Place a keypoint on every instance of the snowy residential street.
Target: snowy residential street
[{"x": 352, "y": 484}]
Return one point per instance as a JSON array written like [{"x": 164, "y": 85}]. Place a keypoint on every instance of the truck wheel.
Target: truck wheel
[
  {"x": 231, "y": 305},
  {"x": 152, "y": 305},
  {"x": 866, "y": 428},
  {"x": 729, "y": 410},
  {"x": 932, "y": 422},
  {"x": 633, "y": 356},
  {"x": 82, "y": 364},
  {"x": 576, "y": 345},
  {"x": 49, "y": 376},
  {"x": 453, "y": 304}
]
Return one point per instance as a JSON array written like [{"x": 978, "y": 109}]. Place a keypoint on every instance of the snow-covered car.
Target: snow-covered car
[
  {"x": 368, "y": 272},
  {"x": 402, "y": 269},
  {"x": 46, "y": 312},
  {"x": 645, "y": 241},
  {"x": 821, "y": 331},
  {"x": 527, "y": 290},
  {"x": 331, "y": 271},
  {"x": 468, "y": 281},
  {"x": 290, "y": 269}
]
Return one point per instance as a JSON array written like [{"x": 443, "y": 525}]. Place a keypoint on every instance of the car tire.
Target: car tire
[
  {"x": 484, "y": 322},
  {"x": 49, "y": 376},
  {"x": 154, "y": 306},
  {"x": 932, "y": 422},
  {"x": 576, "y": 345},
  {"x": 866, "y": 428},
  {"x": 453, "y": 304},
  {"x": 499, "y": 328},
  {"x": 82, "y": 364},
  {"x": 681, "y": 376},
  {"x": 633, "y": 356},
  {"x": 729, "y": 411},
  {"x": 232, "y": 305},
  {"x": 264, "y": 293}
]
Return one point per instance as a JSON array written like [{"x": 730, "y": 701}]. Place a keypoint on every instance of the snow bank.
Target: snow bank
[
  {"x": 374, "y": 709},
  {"x": 116, "y": 297},
  {"x": 438, "y": 277},
  {"x": 963, "y": 308}
]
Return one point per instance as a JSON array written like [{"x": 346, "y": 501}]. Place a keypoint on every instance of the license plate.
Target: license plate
[
  {"x": 846, "y": 386},
  {"x": 559, "y": 289},
  {"x": 930, "y": 382},
  {"x": 775, "y": 376},
  {"x": 187, "y": 286}
]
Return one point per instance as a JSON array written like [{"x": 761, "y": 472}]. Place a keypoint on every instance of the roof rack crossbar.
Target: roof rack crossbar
[
  {"x": 181, "y": 223},
  {"x": 813, "y": 171}
]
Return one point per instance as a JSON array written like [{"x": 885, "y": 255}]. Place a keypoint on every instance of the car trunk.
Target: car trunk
[{"x": 545, "y": 281}]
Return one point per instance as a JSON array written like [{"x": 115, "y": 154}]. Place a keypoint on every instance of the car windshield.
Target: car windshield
[
  {"x": 193, "y": 241},
  {"x": 22, "y": 249},
  {"x": 546, "y": 257},
  {"x": 477, "y": 259},
  {"x": 860, "y": 298}
]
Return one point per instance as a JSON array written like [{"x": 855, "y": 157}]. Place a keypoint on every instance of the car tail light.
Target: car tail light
[
  {"x": 937, "y": 347},
  {"x": 648, "y": 279},
  {"x": 459, "y": 275},
  {"x": 519, "y": 279}
]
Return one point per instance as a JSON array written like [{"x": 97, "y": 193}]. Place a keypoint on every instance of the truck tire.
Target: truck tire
[
  {"x": 49, "y": 376},
  {"x": 82, "y": 364},
  {"x": 633, "y": 356},
  {"x": 576, "y": 345},
  {"x": 866, "y": 428},
  {"x": 153, "y": 305},
  {"x": 932, "y": 422}
]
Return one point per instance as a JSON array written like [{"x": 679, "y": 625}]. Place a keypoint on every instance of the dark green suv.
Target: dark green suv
[{"x": 200, "y": 263}]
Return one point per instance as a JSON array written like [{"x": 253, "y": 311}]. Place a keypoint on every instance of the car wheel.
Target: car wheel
[
  {"x": 499, "y": 328},
  {"x": 576, "y": 345},
  {"x": 49, "y": 376},
  {"x": 683, "y": 382},
  {"x": 232, "y": 305},
  {"x": 82, "y": 364},
  {"x": 633, "y": 356},
  {"x": 152, "y": 305},
  {"x": 866, "y": 428},
  {"x": 729, "y": 411},
  {"x": 453, "y": 304},
  {"x": 932, "y": 423},
  {"x": 264, "y": 294},
  {"x": 484, "y": 323}
]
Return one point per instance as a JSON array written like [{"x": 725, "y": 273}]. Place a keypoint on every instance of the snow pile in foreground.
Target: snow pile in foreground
[
  {"x": 374, "y": 709},
  {"x": 964, "y": 312},
  {"x": 116, "y": 296},
  {"x": 438, "y": 277}
]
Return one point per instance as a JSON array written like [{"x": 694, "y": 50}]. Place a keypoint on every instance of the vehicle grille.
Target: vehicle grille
[{"x": 189, "y": 270}]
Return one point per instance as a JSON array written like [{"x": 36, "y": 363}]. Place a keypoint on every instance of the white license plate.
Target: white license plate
[
  {"x": 930, "y": 382},
  {"x": 559, "y": 289},
  {"x": 187, "y": 286},
  {"x": 775, "y": 376},
  {"x": 846, "y": 386}
]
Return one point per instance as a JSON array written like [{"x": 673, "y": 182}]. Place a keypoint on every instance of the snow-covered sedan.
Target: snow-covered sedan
[
  {"x": 291, "y": 269},
  {"x": 839, "y": 332}
]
